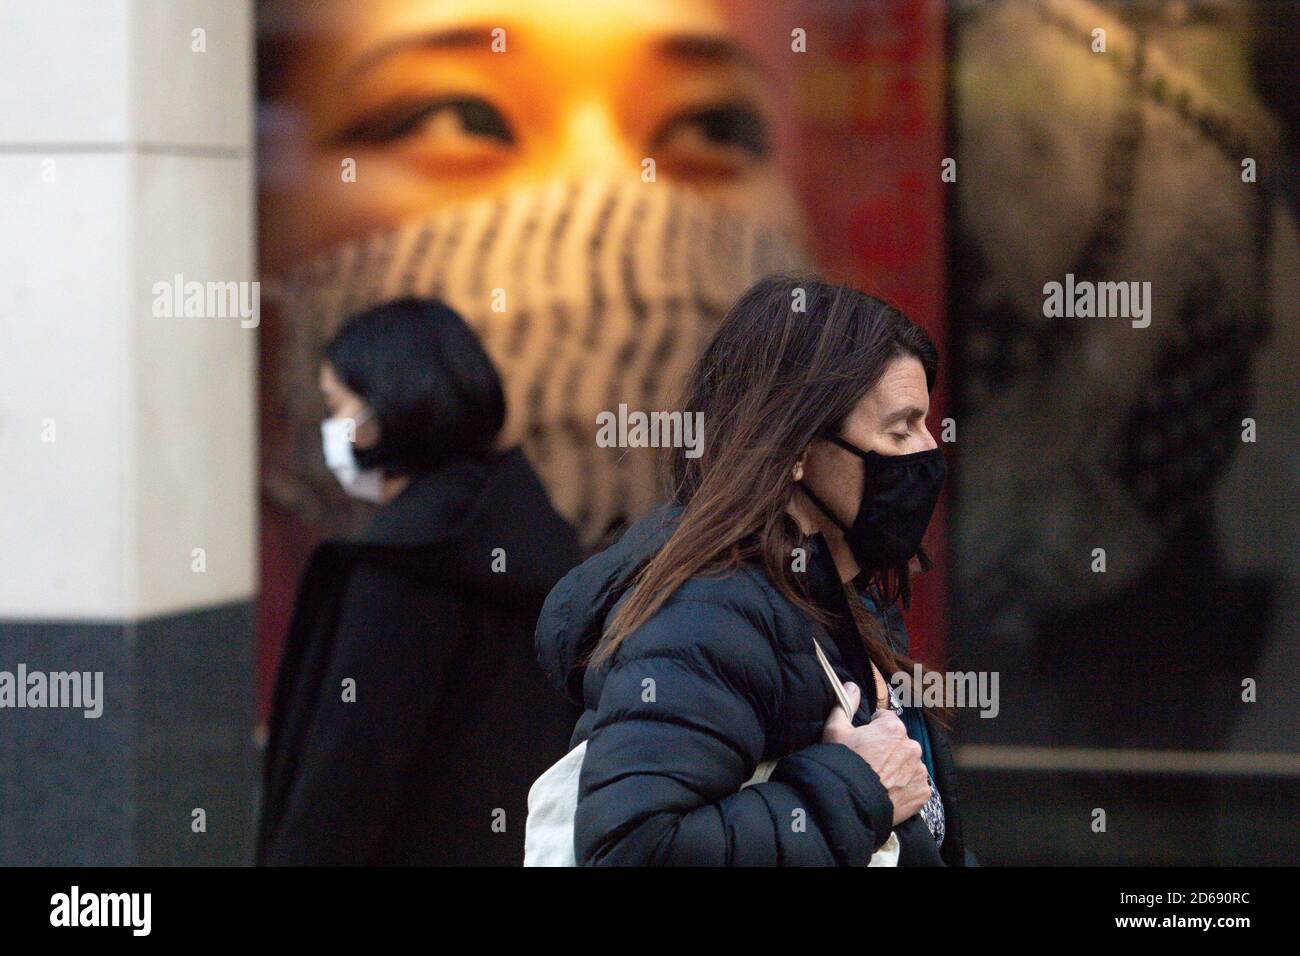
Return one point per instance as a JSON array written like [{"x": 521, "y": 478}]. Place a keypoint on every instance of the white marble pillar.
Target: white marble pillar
[{"x": 127, "y": 427}]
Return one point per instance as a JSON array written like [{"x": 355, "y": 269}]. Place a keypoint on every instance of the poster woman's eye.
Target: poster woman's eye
[
  {"x": 448, "y": 122},
  {"x": 714, "y": 141}
]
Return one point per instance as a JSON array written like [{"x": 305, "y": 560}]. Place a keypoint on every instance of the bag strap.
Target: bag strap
[{"x": 833, "y": 679}]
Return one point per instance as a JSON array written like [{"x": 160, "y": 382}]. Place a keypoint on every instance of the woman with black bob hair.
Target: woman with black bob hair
[
  {"x": 702, "y": 643},
  {"x": 410, "y": 715}
]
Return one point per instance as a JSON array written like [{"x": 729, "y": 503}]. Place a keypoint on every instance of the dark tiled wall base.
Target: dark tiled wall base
[
  {"x": 66, "y": 782},
  {"x": 1043, "y": 818},
  {"x": 175, "y": 735}
]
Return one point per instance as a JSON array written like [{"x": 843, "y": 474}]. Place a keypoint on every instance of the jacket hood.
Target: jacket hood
[
  {"x": 482, "y": 525},
  {"x": 573, "y": 617}
]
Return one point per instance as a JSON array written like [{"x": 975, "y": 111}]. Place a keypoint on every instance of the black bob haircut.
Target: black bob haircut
[{"x": 425, "y": 376}]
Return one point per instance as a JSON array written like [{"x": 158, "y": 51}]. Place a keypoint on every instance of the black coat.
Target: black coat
[
  {"x": 722, "y": 677},
  {"x": 452, "y": 719}
]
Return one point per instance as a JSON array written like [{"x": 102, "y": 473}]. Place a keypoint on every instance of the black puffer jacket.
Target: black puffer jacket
[{"x": 722, "y": 677}]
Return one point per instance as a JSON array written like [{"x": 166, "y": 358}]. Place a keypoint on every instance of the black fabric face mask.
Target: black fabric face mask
[{"x": 899, "y": 493}]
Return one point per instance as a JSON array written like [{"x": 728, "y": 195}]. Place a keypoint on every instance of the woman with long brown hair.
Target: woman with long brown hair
[{"x": 713, "y": 735}]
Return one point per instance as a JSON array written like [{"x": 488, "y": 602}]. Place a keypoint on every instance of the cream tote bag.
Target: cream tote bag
[{"x": 553, "y": 799}]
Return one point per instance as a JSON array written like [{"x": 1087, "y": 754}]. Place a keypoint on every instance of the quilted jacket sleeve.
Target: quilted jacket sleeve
[{"x": 680, "y": 727}]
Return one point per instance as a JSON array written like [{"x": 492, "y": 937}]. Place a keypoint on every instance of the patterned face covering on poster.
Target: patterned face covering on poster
[{"x": 587, "y": 294}]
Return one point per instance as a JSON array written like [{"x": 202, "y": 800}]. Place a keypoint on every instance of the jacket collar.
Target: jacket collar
[
  {"x": 432, "y": 507},
  {"x": 827, "y": 591},
  {"x": 823, "y": 579}
]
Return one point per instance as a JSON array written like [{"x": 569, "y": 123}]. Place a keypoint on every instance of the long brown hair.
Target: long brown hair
[{"x": 790, "y": 361}]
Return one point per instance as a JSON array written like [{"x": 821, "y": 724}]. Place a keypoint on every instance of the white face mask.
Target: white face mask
[{"x": 337, "y": 437}]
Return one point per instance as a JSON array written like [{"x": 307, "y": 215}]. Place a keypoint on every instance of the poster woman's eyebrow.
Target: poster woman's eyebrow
[
  {"x": 451, "y": 38},
  {"x": 706, "y": 48}
]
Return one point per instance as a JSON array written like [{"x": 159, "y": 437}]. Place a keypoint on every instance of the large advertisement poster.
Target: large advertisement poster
[{"x": 591, "y": 185}]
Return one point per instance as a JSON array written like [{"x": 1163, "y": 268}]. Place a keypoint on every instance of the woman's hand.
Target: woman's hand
[{"x": 887, "y": 749}]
